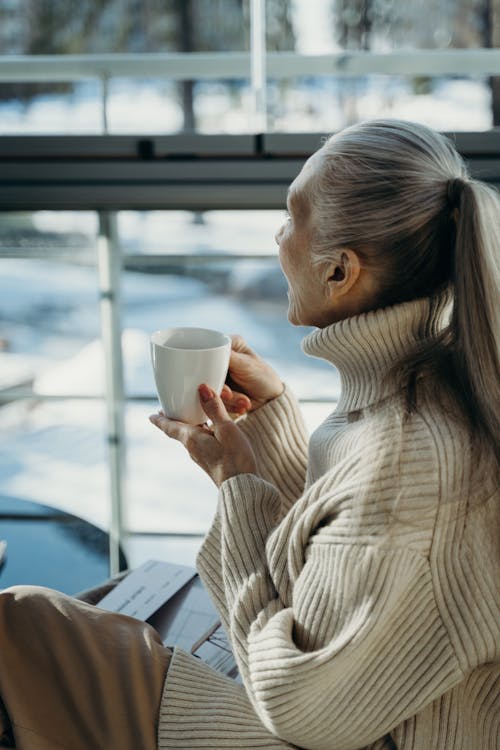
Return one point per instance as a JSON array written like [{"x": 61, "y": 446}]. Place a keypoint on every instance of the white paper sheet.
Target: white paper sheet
[{"x": 147, "y": 588}]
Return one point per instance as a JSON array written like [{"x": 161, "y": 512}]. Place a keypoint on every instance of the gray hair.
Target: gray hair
[{"x": 399, "y": 194}]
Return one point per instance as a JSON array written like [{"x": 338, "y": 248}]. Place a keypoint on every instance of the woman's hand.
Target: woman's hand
[
  {"x": 251, "y": 382},
  {"x": 221, "y": 449}
]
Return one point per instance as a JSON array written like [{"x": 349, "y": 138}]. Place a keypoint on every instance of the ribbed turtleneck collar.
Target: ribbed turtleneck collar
[{"x": 365, "y": 347}]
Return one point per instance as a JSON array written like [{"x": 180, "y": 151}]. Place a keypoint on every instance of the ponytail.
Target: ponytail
[
  {"x": 475, "y": 321},
  {"x": 399, "y": 194}
]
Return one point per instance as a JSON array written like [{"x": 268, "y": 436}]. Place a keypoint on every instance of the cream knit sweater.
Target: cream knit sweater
[{"x": 358, "y": 579}]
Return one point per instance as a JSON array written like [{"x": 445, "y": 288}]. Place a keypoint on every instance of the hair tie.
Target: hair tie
[{"x": 454, "y": 191}]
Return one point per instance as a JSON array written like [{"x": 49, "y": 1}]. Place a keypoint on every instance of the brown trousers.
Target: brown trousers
[{"x": 73, "y": 677}]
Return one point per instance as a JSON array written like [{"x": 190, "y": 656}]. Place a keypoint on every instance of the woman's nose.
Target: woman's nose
[{"x": 277, "y": 236}]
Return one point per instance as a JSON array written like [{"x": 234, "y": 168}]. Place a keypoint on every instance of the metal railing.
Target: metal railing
[
  {"x": 204, "y": 66},
  {"x": 256, "y": 66}
]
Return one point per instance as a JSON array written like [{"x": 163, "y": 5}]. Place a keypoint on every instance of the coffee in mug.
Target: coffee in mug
[{"x": 183, "y": 359}]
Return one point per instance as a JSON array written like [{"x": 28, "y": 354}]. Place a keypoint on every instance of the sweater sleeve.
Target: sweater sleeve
[
  {"x": 279, "y": 439},
  {"x": 355, "y": 644}
]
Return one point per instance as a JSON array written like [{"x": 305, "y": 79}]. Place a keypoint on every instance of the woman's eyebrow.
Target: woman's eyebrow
[{"x": 296, "y": 204}]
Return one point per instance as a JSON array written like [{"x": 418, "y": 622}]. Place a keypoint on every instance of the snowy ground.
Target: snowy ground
[{"x": 324, "y": 104}]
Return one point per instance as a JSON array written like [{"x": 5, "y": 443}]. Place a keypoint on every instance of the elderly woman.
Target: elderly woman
[{"x": 357, "y": 575}]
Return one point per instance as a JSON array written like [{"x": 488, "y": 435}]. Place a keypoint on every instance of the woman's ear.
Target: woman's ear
[{"x": 343, "y": 274}]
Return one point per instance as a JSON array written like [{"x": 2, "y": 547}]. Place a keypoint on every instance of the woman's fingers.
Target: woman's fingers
[
  {"x": 235, "y": 402},
  {"x": 220, "y": 449},
  {"x": 185, "y": 433},
  {"x": 177, "y": 430},
  {"x": 214, "y": 408},
  {"x": 251, "y": 376},
  {"x": 240, "y": 345},
  {"x": 226, "y": 393}
]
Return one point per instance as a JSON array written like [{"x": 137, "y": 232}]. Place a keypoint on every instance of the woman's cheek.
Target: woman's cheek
[{"x": 284, "y": 259}]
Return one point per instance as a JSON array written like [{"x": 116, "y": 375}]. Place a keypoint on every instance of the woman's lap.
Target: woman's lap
[{"x": 73, "y": 676}]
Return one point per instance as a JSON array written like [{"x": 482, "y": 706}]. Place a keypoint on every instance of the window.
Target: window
[{"x": 209, "y": 255}]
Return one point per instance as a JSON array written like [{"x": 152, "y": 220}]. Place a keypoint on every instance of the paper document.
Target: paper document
[
  {"x": 188, "y": 617},
  {"x": 191, "y": 622},
  {"x": 214, "y": 649},
  {"x": 174, "y": 601},
  {"x": 147, "y": 588}
]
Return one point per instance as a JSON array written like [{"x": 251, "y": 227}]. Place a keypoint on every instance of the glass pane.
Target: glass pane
[
  {"x": 52, "y": 451},
  {"x": 328, "y": 103},
  {"x": 48, "y": 298},
  {"x": 178, "y": 549},
  {"x": 46, "y": 108},
  {"x": 222, "y": 107},
  {"x": 165, "y": 491},
  {"x": 44, "y": 27},
  {"x": 156, "y": 106},
  {"x": 324, "y": 26},
  {"x": 163, "y": 107},
  {"x": 309, "y": 27},
  {"x": 208, "y": 232},
  {"x": 55, "y": 453},
  {"x": 138, "y": 104},
  {"x": 132, "y": 106}
]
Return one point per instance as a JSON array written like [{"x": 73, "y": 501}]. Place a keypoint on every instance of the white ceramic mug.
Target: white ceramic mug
[{"x": 183, "y": 359}]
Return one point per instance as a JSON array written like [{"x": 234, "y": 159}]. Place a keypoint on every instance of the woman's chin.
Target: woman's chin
[
  {"x": 297, "y": 316},
  {"x": 294, "y": 318}
]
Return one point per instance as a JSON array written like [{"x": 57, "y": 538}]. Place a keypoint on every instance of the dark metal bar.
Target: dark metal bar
[{"x": 175, "y": 172}]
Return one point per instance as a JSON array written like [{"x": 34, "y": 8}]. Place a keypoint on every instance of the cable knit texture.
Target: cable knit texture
[{"x": 358, "y": 577}]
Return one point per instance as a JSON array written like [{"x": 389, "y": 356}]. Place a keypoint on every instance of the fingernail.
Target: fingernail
[{"x": 205, "y": 392}]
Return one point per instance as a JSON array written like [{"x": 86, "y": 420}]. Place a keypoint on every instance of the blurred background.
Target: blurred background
[
  {"x": 217, "y": 267},
  {"x": 93, "y": 27}
]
